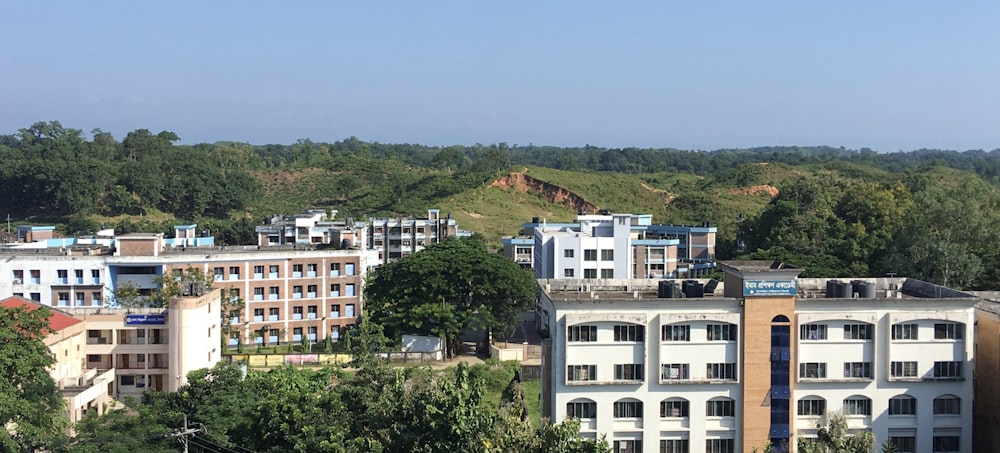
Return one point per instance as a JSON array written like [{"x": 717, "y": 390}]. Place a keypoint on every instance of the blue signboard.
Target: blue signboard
[
  {"x": 770, "y": 288},
  {"x": 138, "y": 320}
]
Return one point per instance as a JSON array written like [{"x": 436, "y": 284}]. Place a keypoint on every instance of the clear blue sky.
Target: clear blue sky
[{"x": 889, "y": 75}]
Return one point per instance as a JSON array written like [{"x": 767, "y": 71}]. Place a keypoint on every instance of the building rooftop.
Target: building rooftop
[{"x": 57, "y": 320}]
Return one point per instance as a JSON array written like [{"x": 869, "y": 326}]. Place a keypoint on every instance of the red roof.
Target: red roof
[{"x": 57, "y": 321}]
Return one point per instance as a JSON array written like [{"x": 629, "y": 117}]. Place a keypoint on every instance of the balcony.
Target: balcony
[
  {"x": 258, "y": 318},
  {"x": 334, "y": 293},
  {"x": 311, "y": 316},
  {"x": 234, "y": 320},
  {"x": 258, "y": 275},
  {"x": 99, "y": 340},
  {"x": 334, "y": 314},
  {"x": 297, "y": 337},
  {"x": 234, "y": 276},
  {"x": 296, "y": 316},
  {"x": 258, "y": 297},
  {"x": 95, "y": 281},
  {"x": 218, "y": 277},
  {"x": 272, "y": 275},
  {"x": 272, "y": 297},
  {"x": 272, "y": 318},
  {"x": 79, "y": 280},
  {"x": 311, "y": 295},
  {"x": 297, "y": 274},
  {"x": 62, "y": 281},
  {"x": 296, "y": 295},
  {"x": 311, "y": 274},
  {"x": 335, "y": 273}
]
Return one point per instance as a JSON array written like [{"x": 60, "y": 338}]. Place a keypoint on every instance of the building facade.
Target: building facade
[
  {"x": 620, "y": 246},
  {"x": 762, "y": 363},
  {"x": 152, "y": 348},
  {"x": 290, "y": 293}
]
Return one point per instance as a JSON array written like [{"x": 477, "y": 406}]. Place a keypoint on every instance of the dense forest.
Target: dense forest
[{"x": 834, "y": 211}]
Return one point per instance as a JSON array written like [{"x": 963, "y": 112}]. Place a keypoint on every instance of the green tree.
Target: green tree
[
  {"x": 31, "y": 407},
  {"x": 447, "y": 287},
  {"x": 834, "y": 437}
]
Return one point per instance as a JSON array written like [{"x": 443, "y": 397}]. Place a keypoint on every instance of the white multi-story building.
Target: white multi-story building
[
  {"x": 764, "y": 362},
  {"x": 153, "y": 348},
  {"x": 619, "y": 246}
]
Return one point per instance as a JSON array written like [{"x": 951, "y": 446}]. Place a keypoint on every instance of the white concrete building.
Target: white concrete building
[
  {"x": 153, "y": 349},
  {"x": 618, "y": 246},
  {"x": 763, "y": 363}
]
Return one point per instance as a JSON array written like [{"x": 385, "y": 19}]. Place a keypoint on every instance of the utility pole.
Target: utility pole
[{"x": 182, "y": 434}]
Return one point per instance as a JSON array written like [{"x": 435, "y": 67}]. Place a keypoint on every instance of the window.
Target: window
[
  {"x": 720, "y": 445},
  {"x": 858, "y": 370},
  {"x": 312, "y": 333},
  {"x": 581, "y": 373},
  {"x": 95, "y": 298},
  {"x": 36, "y": 297},
  {"x": 812, "y": 370},
  {"x": 725, "y": 371},
  {"x": 674, "y": 371},
  {"x": 272, "y": 314},
  {"x": 903, "y": 405},
  {"x": 581, "y": 409},
  {"x": 567, "y": 253},
  {"x": 349, "y": 289},
  {"x": 311, "y": 291},
  {"x": 311, "y": 270},
  {"x": 296, "y": 334},
  {"x": 61, "y": 275},
  {"x": 80, "y": 298},
  {"x": 904, "y": 332},
  {"x": 258, "y": 314},
  {"x": 947, "y": 405},
  {"x": 673, "y": 408},
  {"x": 582, "y": 332},
  {"x": 95, "y": 276},
  {"x": 63, "y": 298},
  {"x": 629, "y": 333},
  {"x": 720, "y": 408},
  {"x": 258, "y": 272},
  {"x": 335, "y": 311},
  {"x": 674, "y": 446},
  {"x": 857, "y": 405},
  {"x": 590, "y": 255},
  {"x": 78, "y": 275},
  {"x": 297, "y": 292},
  {"x": 676, "y": 333},
  {"x": 721, "y": 332},
  {"x": 296, "y": 313},
  {"x": 272, "y": 293},
  {"x": 334, "y": 269},
  {"x": 903, "y": 369},
  {"x": 272, "y": 271},
  {"x": 627, "y": 446},
  {"x": 349, "y": 269},
  {"x": 311, "y": 312},
  {"x": 349, "y": 311},
  {"x": 258, "y": 294},
  {"x": 607, "y": 255},
  {"x": 947, "y": 369},
  {"x": 568, "y": 273},
  {"x": 335, "y": 332},
  {"x": 18, "y": 276},
  {"x": 335, "y": 290},
  {"x": 234, "y": 272},
  {"x": 607, "y": 273},
  {"x": 946, "y": 444},
  {"x": 948, "y": 331},
  {"x": 590, "y": 273},
  {"x": 628, "y": 372},
  {"x": 904, "y": 444},
  {"x": 628, "y": 409},
  {"x": 812, "y": 332},
  {"x": 297, "y": 270},
  {"x": 812, "y": 406},
  {"x": 857, "y": 331},
  {"x": 127, "y": 380}
]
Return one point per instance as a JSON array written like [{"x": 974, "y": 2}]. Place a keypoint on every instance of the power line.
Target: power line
[
  {"x": 222, "y": 447},
  {"x": 202, "y": 446}
]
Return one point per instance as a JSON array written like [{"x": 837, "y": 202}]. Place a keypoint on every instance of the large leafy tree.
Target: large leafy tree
[
  {"x": 31, "y": 408},
  {"x": 447, "y": 287}
]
